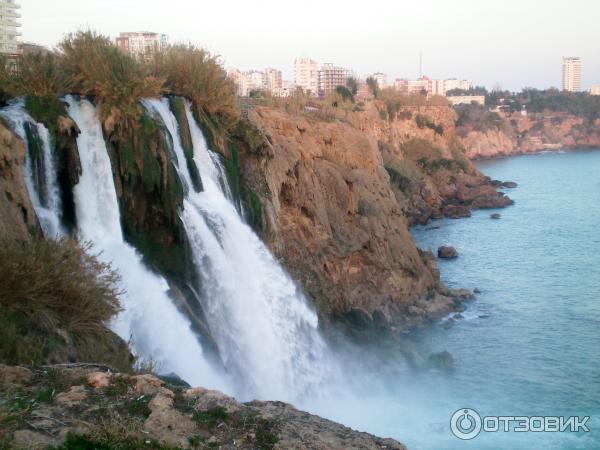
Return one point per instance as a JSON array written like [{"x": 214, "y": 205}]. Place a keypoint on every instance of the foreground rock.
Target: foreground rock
[
  {"x": 84, "y": 407},
  {"x": 447, "y": 252}
]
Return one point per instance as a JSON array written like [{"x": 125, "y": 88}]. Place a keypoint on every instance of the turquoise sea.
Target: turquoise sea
[{"x": 529, "y": 344}]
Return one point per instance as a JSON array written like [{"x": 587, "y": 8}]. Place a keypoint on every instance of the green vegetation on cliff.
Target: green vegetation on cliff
[{"x": 55, "y": 302}]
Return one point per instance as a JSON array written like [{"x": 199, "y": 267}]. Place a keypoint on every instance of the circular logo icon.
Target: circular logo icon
[{"x": 465, "y": 424}]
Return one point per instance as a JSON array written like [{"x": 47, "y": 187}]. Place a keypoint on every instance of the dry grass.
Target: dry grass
[
  {"x": 194, "y": 73},
  {"x": 40, "y": 75},
  {"x": 55, "y": 301},
  {"x": 97, "y": 68}
]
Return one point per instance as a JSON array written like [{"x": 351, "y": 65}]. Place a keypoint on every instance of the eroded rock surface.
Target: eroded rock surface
[{"x": 92, "y": 409}]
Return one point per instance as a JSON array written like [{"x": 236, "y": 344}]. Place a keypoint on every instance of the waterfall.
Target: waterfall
[
  {"x": 266, "y": 334},
  {"x": 40, "y": 173},
  {"x": 150, "y": 321}
]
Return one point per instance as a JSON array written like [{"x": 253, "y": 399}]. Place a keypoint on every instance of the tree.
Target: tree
[
  {"x": 373, "y": 86},
  {"x": 352, "y": 84},
  {"x": 345, "y": 93}
]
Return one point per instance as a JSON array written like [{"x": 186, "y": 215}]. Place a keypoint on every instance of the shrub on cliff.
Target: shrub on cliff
[
  {"x": 95, "y": 67},
  {"x": 5, "y": 81},
  {"x": 39, "y": 75},
  {"x": 196, "y": 74},
  {"x": 55, "y": 302}
]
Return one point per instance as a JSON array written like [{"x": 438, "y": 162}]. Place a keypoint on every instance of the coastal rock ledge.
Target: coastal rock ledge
[{"x": 88, "y": 406}]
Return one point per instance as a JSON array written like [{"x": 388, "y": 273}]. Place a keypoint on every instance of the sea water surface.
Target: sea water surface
[{"x": 529, "y": 345}]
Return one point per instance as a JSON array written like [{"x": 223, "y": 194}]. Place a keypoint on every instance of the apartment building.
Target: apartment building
[
  {"x": 9, "y": 15},
  {"x": 595, "y": 90},
  {"x": 330, "y": 77},
  {"x": 142, "y": 44},
  {"x": 571, "y": 74},
  {"x": 455, "y": 83},
  {"x": 306, "y": 75},
  {"x": 412, "y": 87},
  {"x": 273, "y": 80}
]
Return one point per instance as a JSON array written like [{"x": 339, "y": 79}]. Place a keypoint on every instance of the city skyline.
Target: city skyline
[{"x": 483, "y": 43}]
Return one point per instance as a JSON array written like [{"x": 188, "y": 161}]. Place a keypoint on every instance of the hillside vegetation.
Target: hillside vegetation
[{"x": 55, "y": 302}]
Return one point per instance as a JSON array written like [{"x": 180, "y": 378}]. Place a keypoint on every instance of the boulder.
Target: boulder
[
  {"x": 447, "y": 252},
  {"x": 441, "y": 361},
  {"x": 495, "y": 216},
  {"x": 13, "y": 376},
  {"x": 509, "y": 184}
]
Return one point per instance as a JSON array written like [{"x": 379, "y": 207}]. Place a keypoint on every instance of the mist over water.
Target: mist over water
[{"x": 529, "y": 344}]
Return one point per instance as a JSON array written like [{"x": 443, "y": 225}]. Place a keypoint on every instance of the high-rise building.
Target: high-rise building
[
  {"x": 330, "y": 77},
  {"x": 595, "y": 90},
  {"x": 571, "y": 74},
  {"x": 8, "y": 27},
  {"x": 142, "y": 44},
  {"x": 273, "y": 80},
  {"x": 306, "y": 75}
]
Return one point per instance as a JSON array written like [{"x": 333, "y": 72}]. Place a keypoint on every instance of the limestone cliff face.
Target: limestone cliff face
[
  {"x": 336, "y": 217},
  {"x": 533, "y": 133},
  {"x": 17, "y": 216}
]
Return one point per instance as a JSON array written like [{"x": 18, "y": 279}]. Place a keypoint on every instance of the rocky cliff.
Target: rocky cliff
[
  {"x": 87, "y": 406},
  {"x": 17, "y": 216},
  {"x": 339, "y": 193},
  {"x": 517, "y": 134}
]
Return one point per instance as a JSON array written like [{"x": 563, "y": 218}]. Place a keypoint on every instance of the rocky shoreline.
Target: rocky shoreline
[{"x": 535, "y": 133}]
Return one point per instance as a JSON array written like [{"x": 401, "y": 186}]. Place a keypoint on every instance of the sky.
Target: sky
[{"x": 507, "y": 43}]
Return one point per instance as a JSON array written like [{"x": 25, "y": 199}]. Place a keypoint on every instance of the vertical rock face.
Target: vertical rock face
[
  {"x": 334, "y": 214},
  {"x": 150, "y": 195},
  {"x": 17, "y": 216}
]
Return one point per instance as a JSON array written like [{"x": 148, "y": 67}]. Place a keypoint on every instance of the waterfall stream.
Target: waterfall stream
[
  {"x": 150, "y": 320},
  {"x": 266, "y": 334},
  {"x": 40, "y": 173}
]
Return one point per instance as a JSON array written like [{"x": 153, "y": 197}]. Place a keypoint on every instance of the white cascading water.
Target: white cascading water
[
  {"x": 150, "y": 321},
  {"x": 267, "y": 335},
  {"x": 44, "y": 194}
]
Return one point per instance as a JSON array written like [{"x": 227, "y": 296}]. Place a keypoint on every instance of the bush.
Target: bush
[
  {"x": 5, "y": 81},
  {"x": 345, "y": 93},
  {"x": 55, "y": 301},
  {"x": 424, "y": 122},
  {"x": 194, "y": 73},
  {"x": 39, "y": 75},
  {"x": 97, "y": 68}
]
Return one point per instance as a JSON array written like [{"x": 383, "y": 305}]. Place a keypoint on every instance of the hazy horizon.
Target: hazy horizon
[{"x": 513, "y": 44}]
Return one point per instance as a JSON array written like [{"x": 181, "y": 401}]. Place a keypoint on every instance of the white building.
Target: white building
[
  {"x": 571, "y": 74},
  {"x": 595, "y": 90},
  {"x": 306, "y": 75},
  {"x": 466, "y": 99},
  {"x": 142, "y": 44},
  {"x": 455, "y": 83},
  {"x": 381, "y": 79},
  {"x": 8, "y": 27}
]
